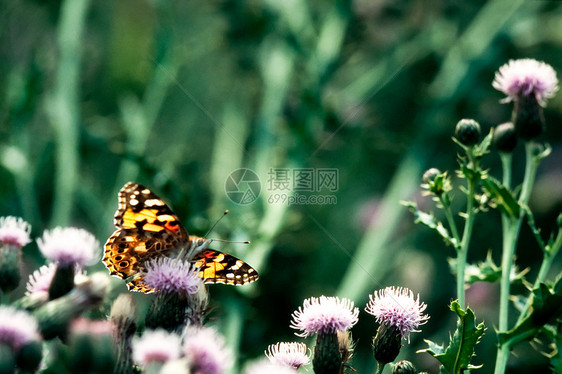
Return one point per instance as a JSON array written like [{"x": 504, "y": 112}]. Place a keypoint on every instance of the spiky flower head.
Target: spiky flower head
[
  {"x": 324, "y": 315},
  {"x": 526, "y": 77},
  {"x": 397, "y": 307},
  {"x": 17, "y": 328},
  {"x": 157, "y": 346},
  {"x": 206, "y": 351},
  {"x": 291, "y": 354},
  {"x": 266, "y": 366},
  {"x": 14, "y": 231},
  {"x": 172, "y": 275},
  {"x": 70, "y": 245}
]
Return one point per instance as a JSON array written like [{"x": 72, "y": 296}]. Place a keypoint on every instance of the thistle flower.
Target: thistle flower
[
  {"x": 91, "y": 345},
  {"x": 55, "y": 316},
  {"x": 324, "y": 314},
  {"x": 14, "y": 231},
  {"x": 397, "y": 307},
  {"x": 14, "y": 234},
  {"x": 528, "y": 83},
  {"x": 266, "y": 366},
  {"x": 526, "y": 77},
  {"x": 292, "y": 354},
  {"x": 172, "y": 275},
  {"x": 69, "y": 246},
  {"x": 17, "y": 328},
  {"x": 181, "y": 294},
  {"x": 206, "y": 351},
  {"x": 156, "y": 346}
]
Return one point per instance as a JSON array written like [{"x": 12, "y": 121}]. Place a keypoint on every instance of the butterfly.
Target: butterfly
[{"x": 147, "y": 228}]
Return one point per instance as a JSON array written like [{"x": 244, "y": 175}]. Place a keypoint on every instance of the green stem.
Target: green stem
[
  {"x": 64, "y": 109},
  {"x": 467, "y": 233},
  {"x": 511, "y": 235},
  {"x": 380, "y": 368},
  {"x": 451, "y": 221}
]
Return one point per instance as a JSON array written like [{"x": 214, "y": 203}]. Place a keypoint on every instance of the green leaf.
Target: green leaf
[
  {"x": 430, "y": 221},
  {"x": 482, "y": 148},
  {"x": 546, "y": 307},
  {"x": 488, "y": 271},
  {"x": 501, "y": 196},
  {"x": 456, "y": 357}
]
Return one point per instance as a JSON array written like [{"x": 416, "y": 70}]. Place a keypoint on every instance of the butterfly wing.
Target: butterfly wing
[
  {"x": 146, "y": 228},
  {"x": 218, "y": 267}
]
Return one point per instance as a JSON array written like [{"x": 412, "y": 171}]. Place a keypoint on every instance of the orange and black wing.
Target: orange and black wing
[
  {"x": 146, "y": 228},
  {"x": 218, "y": 267}
]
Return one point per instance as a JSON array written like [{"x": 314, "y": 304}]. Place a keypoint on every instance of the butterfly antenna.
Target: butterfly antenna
[
  {"x": 216, "y": 222},
  {"x": 231, "y": 241}
]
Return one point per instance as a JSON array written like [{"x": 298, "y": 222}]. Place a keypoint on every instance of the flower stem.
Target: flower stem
[
  {"x": 380, "y": 368},
  {"x": 512, "y": 226},
  {"x": 467, "y": 232}
]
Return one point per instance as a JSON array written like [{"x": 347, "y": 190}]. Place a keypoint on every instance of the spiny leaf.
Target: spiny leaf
[
  {"x": 456, "y": 357},
  {"x": 546, "y": 307},
  {"x": 430, "y": 221},
  {"x": 501, "y": 196},
  {"x": 488, "y": 271}
]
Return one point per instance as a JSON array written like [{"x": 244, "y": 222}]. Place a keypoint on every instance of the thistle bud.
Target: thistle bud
[
  {"x": 505, "y": 139},
  {"x": 124, "y": 316},
  {"x": 467, "y": 132},
  {"x": 403, "y": 367}
]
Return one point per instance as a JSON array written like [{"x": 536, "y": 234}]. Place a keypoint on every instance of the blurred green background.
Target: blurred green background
[{"x": 176, "y": 95}]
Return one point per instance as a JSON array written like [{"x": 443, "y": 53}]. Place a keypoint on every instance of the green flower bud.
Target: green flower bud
[
  {"x": 403, "y": 367},
  {"x": 467, "y": 132},
  {"x": 505, "y": 139}
]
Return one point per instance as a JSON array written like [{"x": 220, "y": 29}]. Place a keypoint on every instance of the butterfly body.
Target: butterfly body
[{"x": 147, "y": 228}]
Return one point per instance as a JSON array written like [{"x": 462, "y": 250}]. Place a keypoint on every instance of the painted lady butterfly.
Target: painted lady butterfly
[{"x": 147, "y": 228}]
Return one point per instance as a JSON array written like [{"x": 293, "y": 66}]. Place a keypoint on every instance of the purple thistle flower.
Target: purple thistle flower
[
  {"x": 17, "y": 327},
  {"x": 206, "y": 351},
  {"x": 86, "y": 326},
  {"x": 397, "y": 307},
  {"x": 266, "y": 366},
  {"x": 325, "y": 315},
  {"x": 291, "y": 354},
  {"x": 172, "y": 275},
  {"x": 14, "y": 231},
  {"x": 40, "y": 280},
  {"x": 69, "y": 245},
  {"x": 526, "y": 77},
  {"x": 156, "y": 346}
]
